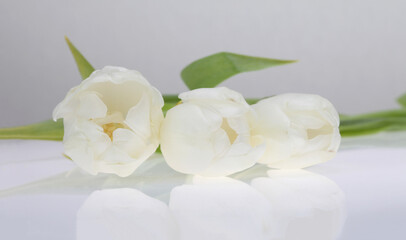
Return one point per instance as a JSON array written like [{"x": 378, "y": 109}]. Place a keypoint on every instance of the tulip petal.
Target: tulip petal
[
  {"x": 129, "y": 142},
  {"x": 91, "y": 106},
  {"x": 226, "y": 102},
  {"x": 186, "y": 135},
  {"x": 67, "y": 106},
  {"x": 221, "y": 142},
  {"x": 117, "y": 161},
  {"x": 138, "y": 118},
  {"x": 233, "y": 163},
  {"x": 78, "y": 149}
]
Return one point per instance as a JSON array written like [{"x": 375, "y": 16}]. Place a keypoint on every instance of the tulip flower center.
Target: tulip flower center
[
  {"x": 109, "y": 128},
  {"x": 325, "y": 130},
  {"x": 231, "y": 133}
]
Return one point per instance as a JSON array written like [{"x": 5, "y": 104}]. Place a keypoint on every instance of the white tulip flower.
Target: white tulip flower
[
  {"x": 299, "y": 130},
  {"x": 111, "y": 121},
  {"x": 208, "y": 134}
]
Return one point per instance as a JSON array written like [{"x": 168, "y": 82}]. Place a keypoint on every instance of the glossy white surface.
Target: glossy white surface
[{"x": 358, "y": 195}]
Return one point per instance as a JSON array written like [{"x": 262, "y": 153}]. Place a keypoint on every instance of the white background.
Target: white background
[{"x": 351, "y": 51}]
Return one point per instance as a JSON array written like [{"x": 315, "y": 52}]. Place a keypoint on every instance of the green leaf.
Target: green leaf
[
  {"x": 85, "y": 68},
  {"x": 212, "y": 70},
  {"x": 46, "y": 130},
  {"x": 402, "y": 100},
  {"x": 171, "y": 98}
]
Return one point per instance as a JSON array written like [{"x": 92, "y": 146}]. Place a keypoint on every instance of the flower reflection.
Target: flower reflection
[
  {"x": 292, "y": 204},
  {"x": 305, "y": 205},
  {"x": 124, "y": 213},
  {"x": 220, "y": 208}
]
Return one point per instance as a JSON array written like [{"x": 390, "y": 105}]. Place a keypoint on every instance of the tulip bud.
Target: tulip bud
[
  {"x": 299, "y": 130},
  {"x": 209, "y": 133}
]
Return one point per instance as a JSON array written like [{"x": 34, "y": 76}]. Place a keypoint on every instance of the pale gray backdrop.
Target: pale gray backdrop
[{"x": 351, "y": 51}]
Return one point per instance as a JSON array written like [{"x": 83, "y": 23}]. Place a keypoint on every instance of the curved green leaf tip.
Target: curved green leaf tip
[
  {"x": 402, "y": 100},
  {"x": 212, "y": 70},
  {"x": 85, "y": 68}
]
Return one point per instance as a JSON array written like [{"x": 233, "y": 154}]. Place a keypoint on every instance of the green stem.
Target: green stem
[
  {"x": 372, "y": 126},
  {"x": 381, "y": 114},
  {"x": 46, "y": 130},
  {"x": 370, "y": 123}
]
